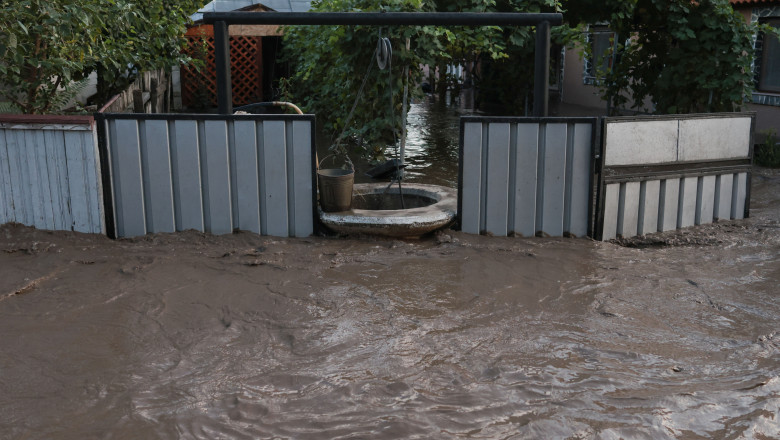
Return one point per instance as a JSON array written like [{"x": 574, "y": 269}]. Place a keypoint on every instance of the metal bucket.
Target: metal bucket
[{"x": 335, "y": 189}]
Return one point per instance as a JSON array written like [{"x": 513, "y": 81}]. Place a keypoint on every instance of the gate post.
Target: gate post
[
  {"x": 222, "y": 60},
  {"x": 542, "y": 69}
]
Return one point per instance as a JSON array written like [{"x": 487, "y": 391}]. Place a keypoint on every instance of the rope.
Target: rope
[
  {"x": 340, "y": 137},
  {"x": 384, "y": 59},
  {"x": 384, "y": 52}
]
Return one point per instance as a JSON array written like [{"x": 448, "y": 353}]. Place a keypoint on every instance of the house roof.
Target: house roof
[{"x": 234, "y": 5}]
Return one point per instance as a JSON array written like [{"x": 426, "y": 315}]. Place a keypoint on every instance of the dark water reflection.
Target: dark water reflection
[{"x": 431, "y": 145}]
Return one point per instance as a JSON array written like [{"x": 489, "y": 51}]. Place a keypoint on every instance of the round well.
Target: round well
[{"x": 376, "y": 210}]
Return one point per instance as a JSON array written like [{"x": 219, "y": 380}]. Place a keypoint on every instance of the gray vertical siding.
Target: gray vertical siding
[
  {"x": 212, "y": 174},
  {"x": 50, "y": 176},
  {"x": 526, "y": 176},
  {"x": 702, "y": 158}
]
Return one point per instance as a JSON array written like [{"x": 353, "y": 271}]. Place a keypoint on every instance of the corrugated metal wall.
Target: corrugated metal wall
[
  {"x": 212, "y": 173},
  {"x": 526, "y": 176},
  {"x": 50, "y": 177},
  {"x": 665, "y": 173}
]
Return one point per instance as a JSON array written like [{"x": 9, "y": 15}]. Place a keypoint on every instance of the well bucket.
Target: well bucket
[{"x": 335, "y": 187}]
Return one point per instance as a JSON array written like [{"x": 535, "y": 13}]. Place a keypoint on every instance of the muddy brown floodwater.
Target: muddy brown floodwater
[{"x": 454, "y": 336}]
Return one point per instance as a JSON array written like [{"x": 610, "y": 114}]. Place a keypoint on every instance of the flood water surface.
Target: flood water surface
[{"x": 454, "y": 336}]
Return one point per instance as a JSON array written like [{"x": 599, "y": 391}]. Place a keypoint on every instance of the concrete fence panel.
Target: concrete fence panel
[
  {"x": 663, "y": 173},
  {"x": 211, "y": 173},
  {"x": 526, "y": 176}
]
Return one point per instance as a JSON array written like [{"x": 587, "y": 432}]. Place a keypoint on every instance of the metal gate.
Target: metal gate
[
  {"x": 211, "y": 173},
  {"x": 526, "y": 176}
]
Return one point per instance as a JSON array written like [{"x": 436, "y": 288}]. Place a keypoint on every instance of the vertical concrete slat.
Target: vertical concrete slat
[
  {"x": 128, "y": 180},
  {"x": 611, "y": 204},
  {"x": 739, "y": 196},
  {"x": 185, "y": 170},
  {"x": 497, "y": 191},
  {"x": 218, "y": 212},
  {"x": 650, "y": 195},
  {"x": 580, "y": 180},
  {"x": 246, "y": 176},
  {"x": 158, "y": 185},
  {"x": 472, "y": 178},
  {"x": 525, "y": 179},
  {"x": 302, "y": 180},
  {"x": 275, "y": 177},
  {"x": 554, "y": 183},
  {"x": 668, "y": 204},
  {"x": 686, "y": 216},
  {"x": 630, "y": 215},
  {"x": 724, "y": 185},
  {"x": 705, "y": 202}
]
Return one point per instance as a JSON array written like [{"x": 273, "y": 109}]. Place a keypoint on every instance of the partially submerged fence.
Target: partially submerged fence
[
  {"x": 210, "y": 173},
  {"x": 49, "y": 173},
  {"x": 660, "y": 173},
  {"x": 219, "y": 173},
  {"x": 526, "y": 176}
]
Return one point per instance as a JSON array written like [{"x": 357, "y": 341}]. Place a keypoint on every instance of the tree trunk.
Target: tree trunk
[{"x": 442, "y": 68}]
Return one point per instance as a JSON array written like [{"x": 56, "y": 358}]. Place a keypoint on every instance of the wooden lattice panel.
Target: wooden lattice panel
[{"x": 246, "y": 71}]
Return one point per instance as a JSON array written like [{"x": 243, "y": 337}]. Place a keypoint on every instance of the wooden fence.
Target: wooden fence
[{"x": 50, "y": 173}]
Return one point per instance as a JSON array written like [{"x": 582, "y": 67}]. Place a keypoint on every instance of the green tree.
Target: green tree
[
  {"x": 507, "y": 82},
  {"x": 47, "y": 45},
  {"x": 681, "y": 56},
  {"x": 335, "y": 67},
  {"x": 331, "y": 61},
  {"x": 143, "y": 35}
]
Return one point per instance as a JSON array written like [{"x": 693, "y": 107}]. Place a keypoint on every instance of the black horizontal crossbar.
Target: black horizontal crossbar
[{"x": 385, "y": 18}]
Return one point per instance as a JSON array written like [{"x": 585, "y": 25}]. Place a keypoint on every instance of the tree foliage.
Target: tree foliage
[
  {"x": 679, "y": 55},
  {"x": 48, "y": 46},
  {"x": 331, "y": 61}
]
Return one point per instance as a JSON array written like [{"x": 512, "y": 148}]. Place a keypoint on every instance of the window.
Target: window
[
  {"x": 769, "y": 71},
  {"x": 602, "y": 53}
]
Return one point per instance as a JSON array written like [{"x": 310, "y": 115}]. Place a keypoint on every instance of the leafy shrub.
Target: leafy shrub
[{"x": 768, "y": 153}]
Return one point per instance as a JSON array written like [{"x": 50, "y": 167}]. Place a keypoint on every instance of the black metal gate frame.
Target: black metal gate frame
[{"x": 542, "y": 21}]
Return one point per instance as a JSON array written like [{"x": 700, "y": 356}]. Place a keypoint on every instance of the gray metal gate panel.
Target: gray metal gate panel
[
  {"x": 211, "y": 173},
  {"x": 526, "y": 176},
  {"x": 49, "y": 176},
  {"x": 700, "y": 165}
]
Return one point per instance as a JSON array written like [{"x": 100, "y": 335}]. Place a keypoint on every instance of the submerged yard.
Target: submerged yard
[{"x": 454, "y": 336}]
